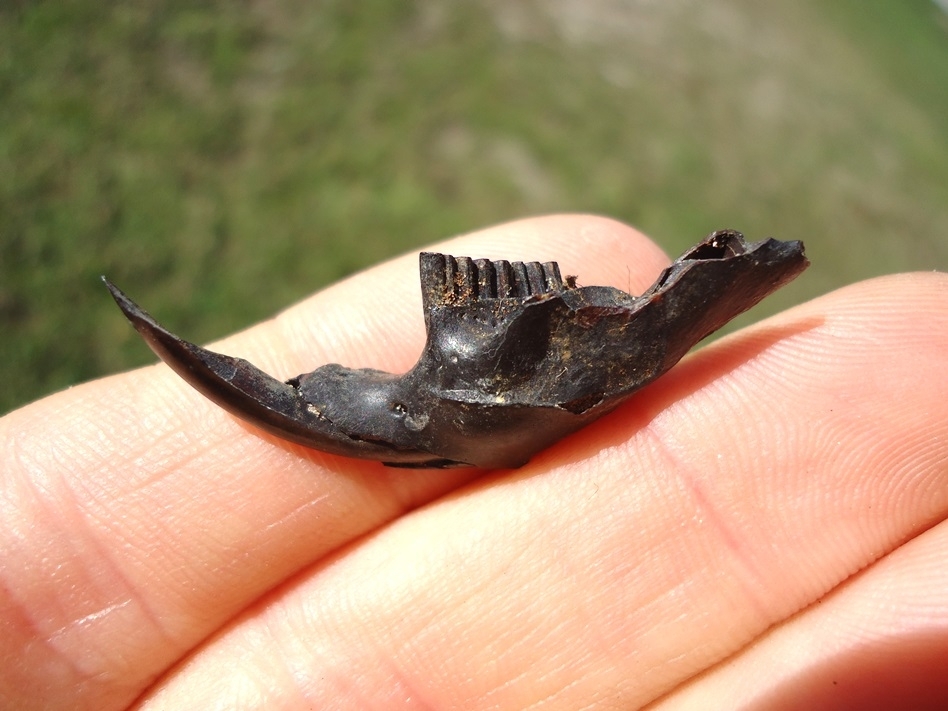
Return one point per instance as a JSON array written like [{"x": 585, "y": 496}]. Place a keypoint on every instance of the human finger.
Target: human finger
[
  {"x": 879, "y": 641},
  {"x": 138, "y": 516},
  {"x": 749, "y": 483}
]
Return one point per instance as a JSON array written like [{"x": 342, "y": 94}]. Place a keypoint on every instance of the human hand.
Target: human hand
[{"x": 763, "y": 528}]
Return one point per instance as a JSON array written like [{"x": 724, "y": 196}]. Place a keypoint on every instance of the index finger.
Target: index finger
[{"x": 140, "y": 517}]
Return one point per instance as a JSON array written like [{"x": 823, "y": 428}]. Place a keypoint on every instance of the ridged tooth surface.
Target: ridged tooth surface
[
  {"x": 505, "y": 278},
  {"x": 551, "y": 273},
  {"x": 535, "y": 277},
  {"x": 462, "y": 280},
  {"x": 465, "y": 281},
  {"x": 486, "y": 279},
  {"x": 521, "y": 281}
]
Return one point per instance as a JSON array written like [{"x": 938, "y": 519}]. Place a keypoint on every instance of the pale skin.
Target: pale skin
[{"x": 763, "y": 528}]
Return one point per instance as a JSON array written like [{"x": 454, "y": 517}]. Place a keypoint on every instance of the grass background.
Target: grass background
[{"x": 221, "y": 160}]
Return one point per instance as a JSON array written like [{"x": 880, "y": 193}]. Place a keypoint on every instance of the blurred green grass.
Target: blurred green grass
[{"x": 221, "y": 160}]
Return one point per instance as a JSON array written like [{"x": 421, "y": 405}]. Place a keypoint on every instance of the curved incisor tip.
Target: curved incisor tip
[
  {"x": 211, "y": 373},
  {"x": 232, "y": 383},
  {"x": 247, "y": 392}
]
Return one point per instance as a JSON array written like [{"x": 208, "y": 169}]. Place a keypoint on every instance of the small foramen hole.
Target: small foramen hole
[{"x": 399, "y": 409}]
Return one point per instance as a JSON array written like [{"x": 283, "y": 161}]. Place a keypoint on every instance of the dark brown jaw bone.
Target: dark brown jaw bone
[{"x": 515, "y": 359}]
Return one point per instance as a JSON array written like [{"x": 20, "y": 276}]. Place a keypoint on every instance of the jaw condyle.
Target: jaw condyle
[{"x": 516, "y": 357}]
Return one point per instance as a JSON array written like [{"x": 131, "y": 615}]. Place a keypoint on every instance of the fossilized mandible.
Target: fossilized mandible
[{"x": 515, "y": 358}]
